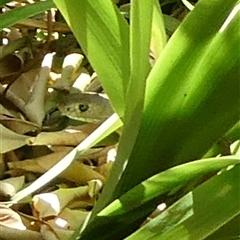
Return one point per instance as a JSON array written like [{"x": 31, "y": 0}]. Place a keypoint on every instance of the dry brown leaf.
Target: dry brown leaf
[
  {"x": 51, "y": 204},
  {"x": 18, "y": 125},
  {"x": 46, "y": 205},
  {"x": 9, "y": 218},
  {"x": 83, "y": 80},
  {"x": 12, "y": 234},
  {"x": 72, "y": 218},
  {"x": 91, "y": 154},
  {"x": 100, "y": 154},
  {"x": 6, "y": 191},
  {"x": 62, "y": 234},
  {"x": 11, "y": 157},
  {"x": 2, "y": 166},
  {"x": 81, "y": 174},
  {"x": 21, "y": 87},
  {"x": 76, "y": 172},
  {"x": 83, "y": 204},
  {"x": 10, "y": 65},
  {"x": 9, "y": 187},
  {"x": 104, "y": 169},
  {"x": 60, "y": 148},
  {"x": 4, "y": 111},
  {"x": 95, "y": 186},
  {"x": 71, "y": 64},
  {"x": 16, "y": 182},
  {"x": 31, "y": 23},
  {"x": 10, "y": 140},
  {"x": 58, "y": 138},
  {"x": 39, "y": 164}
]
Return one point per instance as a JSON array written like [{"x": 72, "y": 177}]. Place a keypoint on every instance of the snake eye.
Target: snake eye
[{"x": 83, "y": 107}]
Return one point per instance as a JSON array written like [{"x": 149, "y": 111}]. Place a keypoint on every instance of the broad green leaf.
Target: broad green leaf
[
  {"x": 199, "y": 213},
  {"x": 170, "y": 23},
  {"x": 116, "y": 220},
  {"x": 140, "y": 33},
  {"x": 234, "y": 133},
  {"x": 158, "y": 35},
  {"x": 230, "y": 230},
  {"x": 11, "y": 17},
  {"x": 189, "y": 103},
  {"x": 222, "y": 146},
  {"x": 103, "y": 35}
]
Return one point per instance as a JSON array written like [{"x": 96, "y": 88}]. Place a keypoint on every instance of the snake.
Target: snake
[{"x": 86, "y": 107}]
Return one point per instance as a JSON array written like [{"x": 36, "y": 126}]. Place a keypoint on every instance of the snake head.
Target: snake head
[{"x": 86, "y": 107}]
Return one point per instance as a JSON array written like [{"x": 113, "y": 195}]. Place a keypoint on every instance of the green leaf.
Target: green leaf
[
  {"x": 234, "y": 133},
  {"x": 140, "y": 33},
  {"x": 158, "y": 36},
  {"x": 191, "y": 98},
  {"x": 11, "y": 17},
  {"x": 230, "y": 230},
  {"x": 3, "y": 2},
  {"x": 118, "y": 217},
  {"x": 199, "y": 213},
  {"x": 189, "y": 103}
]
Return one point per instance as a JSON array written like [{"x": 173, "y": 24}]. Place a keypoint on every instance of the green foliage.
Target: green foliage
[
  {"x": 11, "y": 17},
  {"x": 134, "y": 203},
  {"x": 173, "y": 113},
  {"x": 3, "y": 2},
  {"x": 190, "y": 218},
  {"x": 191, "y": 100},
  {"x": 189, "y": 104}
]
